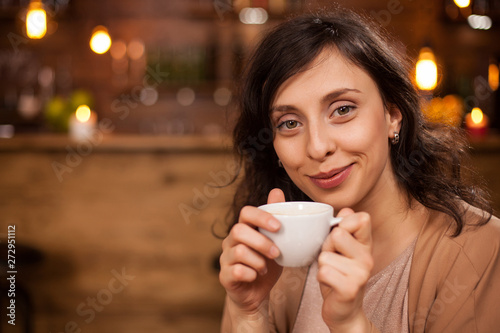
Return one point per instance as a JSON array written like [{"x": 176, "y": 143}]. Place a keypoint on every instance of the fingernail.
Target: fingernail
[
  {"x": 274, "y": 251},
  {"x": 274, "y": 224},
  {"x": 263, "y": 271}
]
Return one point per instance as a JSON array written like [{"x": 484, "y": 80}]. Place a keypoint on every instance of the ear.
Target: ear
[{"x": 394, "y": 118}]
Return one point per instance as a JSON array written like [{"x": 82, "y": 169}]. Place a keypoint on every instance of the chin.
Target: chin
[{"x": 337, "y": 200}]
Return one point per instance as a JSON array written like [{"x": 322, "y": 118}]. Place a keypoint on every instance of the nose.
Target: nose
[{"x": 321, "y": 143}]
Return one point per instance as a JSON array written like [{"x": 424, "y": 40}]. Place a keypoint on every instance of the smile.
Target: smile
[{"x": 332, "y": 178}]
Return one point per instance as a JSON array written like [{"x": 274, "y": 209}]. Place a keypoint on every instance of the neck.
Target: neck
[{"x": 396, "y": 222}]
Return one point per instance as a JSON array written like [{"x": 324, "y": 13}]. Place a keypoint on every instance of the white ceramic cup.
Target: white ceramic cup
[{"x": 304, "y": 227}]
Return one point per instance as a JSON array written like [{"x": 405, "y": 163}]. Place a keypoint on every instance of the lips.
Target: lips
[{"x": 332, "y": 178}]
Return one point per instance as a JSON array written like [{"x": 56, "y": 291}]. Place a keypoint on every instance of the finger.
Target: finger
[
  {"x": 345, "y": 266},
  {"x": 345, "y": 288},
  {"x": 332, "y": 278},
  {"x": 341, "y": 241},
  {"x": 242, "y": 254},
  {"x": 238, "y": 273},
  {"x": 357, "y": 224},
  {"x": 259, "y": 218},
  {"x": 242, "y": 233},
  {"x": 276, "y": 195},
  {"x": 345, "y": 212},
  {"x": 335, "y": 260}
]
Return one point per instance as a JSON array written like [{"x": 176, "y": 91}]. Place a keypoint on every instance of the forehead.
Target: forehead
[{"x": 330, "y": 70}]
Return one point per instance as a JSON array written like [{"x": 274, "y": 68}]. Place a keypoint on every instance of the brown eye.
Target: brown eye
[
  {"x": 291, "y": 124},
  {"x": 343, "y": 110}
]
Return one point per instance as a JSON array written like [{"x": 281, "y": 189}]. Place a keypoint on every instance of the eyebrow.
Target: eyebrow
[{"x": 334, "y": 94}]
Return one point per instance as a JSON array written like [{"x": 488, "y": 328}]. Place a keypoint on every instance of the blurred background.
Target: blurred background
[{"x": 114, "y": 124}]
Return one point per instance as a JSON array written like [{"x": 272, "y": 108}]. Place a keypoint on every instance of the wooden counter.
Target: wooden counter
[{"x": 117, "y": 143}]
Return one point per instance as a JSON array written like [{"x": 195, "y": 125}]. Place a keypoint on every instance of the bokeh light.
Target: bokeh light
[
  {"x": 100, "y": 42},
  {"x": 426, "y": 70},
  {"x": 83, "y": 113},
  {"x": 36, "y": 21}
]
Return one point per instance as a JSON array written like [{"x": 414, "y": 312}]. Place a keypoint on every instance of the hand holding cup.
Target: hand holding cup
[{"x": 304, "y": 227}]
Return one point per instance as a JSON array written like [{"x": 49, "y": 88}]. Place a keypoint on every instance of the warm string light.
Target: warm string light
[
  {"x": 426, "y": 70},
  {"x": 100, "y": 42},
  {"x": 462, "y": 3},
  {"x": 36, "y": 20}
]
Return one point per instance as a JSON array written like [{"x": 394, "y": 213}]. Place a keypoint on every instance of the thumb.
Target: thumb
[
  {"x": 345, "y": 212},
  {"x": 276, "y": 195}
]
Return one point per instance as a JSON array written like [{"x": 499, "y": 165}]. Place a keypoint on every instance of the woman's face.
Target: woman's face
[{"x": 332, "y": 133}]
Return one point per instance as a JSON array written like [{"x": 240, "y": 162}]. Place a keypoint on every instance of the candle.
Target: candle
[
  {"x": 82, "y": 123},
  {"x": 476, "y": 123}
]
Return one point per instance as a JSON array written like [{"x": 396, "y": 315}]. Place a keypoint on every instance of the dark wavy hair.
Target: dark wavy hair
[{"x": 428, "y": 159}]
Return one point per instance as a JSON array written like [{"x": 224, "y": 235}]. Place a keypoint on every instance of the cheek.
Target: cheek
[
  {"x": 290, "y": 153},
  {"x": 369, "y": 132}
]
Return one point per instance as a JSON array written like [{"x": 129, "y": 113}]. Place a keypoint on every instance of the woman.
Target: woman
[{"x": 329, "y": 114}]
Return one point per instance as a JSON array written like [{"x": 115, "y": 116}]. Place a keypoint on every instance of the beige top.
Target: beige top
[{"x": 385, "y": 302}]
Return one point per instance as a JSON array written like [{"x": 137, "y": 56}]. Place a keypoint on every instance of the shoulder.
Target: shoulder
[
  {"x": 480, "y": 244},
  {"x": 454, "y": 280},
  {"x": 477, "y": 246},
  {"x": 490, "y": 231}
]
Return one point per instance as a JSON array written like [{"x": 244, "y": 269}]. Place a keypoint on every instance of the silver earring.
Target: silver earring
[
  {"x": 395, "y": 139},
  {"x": 279, "y": 163}
]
